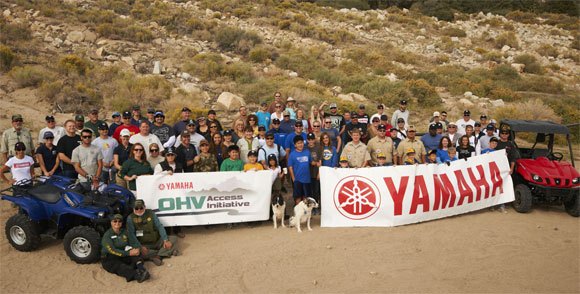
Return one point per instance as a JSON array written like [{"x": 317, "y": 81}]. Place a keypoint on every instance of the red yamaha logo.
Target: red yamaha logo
[
  {"x": 357, "y": 197},
  {"x": 161, "y": 187}
]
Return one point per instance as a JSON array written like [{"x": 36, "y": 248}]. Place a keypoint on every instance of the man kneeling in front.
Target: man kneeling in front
[{"x": 153, "y": 240}]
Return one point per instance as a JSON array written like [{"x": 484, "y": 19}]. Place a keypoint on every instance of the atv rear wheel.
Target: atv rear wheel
[
  {"x": 82, "y": 244},
  {"x": 523, "y": 201},
  {"x": 573, "y": 205},
  {"x": 22, "y": 233}
]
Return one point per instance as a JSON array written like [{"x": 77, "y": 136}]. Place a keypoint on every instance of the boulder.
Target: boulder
[
  {"x": 466, "y": 102},
  {"x": 505, "y": 48},
  {"x": 128, "y": 60},
  {"x": 352, "y": 97},
  {"x": 293, "y": 74},
  {"x": 90, "y": 36},
  {"x": 75, "y": 36},
  {"x": 229, "y": 102},
  {"x": 519, "y": 67},
  {"x": 497, "y": 103},
  {"x": 454, "y": 39},
  {"x": 336, "y": 90},
  {"x": 467, "y": 94},
  {"x": 157, "y": 67}
]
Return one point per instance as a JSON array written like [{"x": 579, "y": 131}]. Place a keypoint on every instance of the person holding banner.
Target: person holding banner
[
  {"x": 205, "y": 161},
  {"x": 299, "y": 162},
  {"x": 169, "y": 165},
  {"x": 411, "y": 142},
  {"x": 356, "y": 151},
  {"x": 233, "y": 163}
]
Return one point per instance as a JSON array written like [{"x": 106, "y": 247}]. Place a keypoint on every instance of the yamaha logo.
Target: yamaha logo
[{"x": 357, "y": 197}]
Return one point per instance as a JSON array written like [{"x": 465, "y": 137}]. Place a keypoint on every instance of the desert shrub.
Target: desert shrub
[
  {"x": 460, "y": 85},
  {"x": 533, "y": 109},
  {"x": 284, "y": 24},
  {"x": 50, "y": 90},
  {"x": 260, "y": 54},
  {"x": 504, "y": 72},
  {"x": 261, "y": 90},
  {"x": 132, "y": 89},
  {"x": 492, "y": 56},
  {"x": 454, "y": 32},
  {"x": 426, "y": 94},
  {"x": 27, "y": 76},
  {"x": 523, "y": 17},
  {"x": 327, "y": 77},
  {"x": 239, "y": 72},
  {"x": 508, "y": 38},
  {"x": 237, "y": 40},
  {"x": 73, "y": 64},
  {"x": 7, "y": 58},
  {"x": 353, "y": 83},
  {"x": 441, "y": 58},
  {"x": 385, "y": 91},
  {"x": 122, "y": 29},
  {"x": 358, "y": 4},
  {"x": 539, "y": 84},
  {"x": 532, "y": 64},
  {"x": 14, "y": 32},
  {"x": 505, "y": 94},
  {"x": 206, "y": 66},
  {"x": 547, "y": 50}
]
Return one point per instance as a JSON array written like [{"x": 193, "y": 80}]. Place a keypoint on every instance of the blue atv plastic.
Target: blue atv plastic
[{"x": 59, "y": 208}]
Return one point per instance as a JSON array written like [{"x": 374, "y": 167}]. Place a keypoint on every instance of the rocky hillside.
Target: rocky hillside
[{"x": 219, "y": 54}]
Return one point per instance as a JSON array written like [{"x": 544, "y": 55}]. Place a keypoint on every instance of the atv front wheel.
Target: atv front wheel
[
  {"x": 22, "y": 233},
  {"x": 523, "y": 201},
  {"x": 82, "y": 244},
  {"x": 573, "y": 205}
]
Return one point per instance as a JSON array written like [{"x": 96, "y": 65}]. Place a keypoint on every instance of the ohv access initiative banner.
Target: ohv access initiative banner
[
  {"x": 399, "y": 195},
  {"x": 207, "y": 198}
]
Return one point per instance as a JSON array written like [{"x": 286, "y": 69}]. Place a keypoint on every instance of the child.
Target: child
[
  {"x": 233, "y": 163},
  {"x": 452, "y": 152},
  {"x": 276, "y": 175},
  {"x": 299, "y": 167},
  {"x": 343, "y": 163},
  {"x": 382, "y": 160},
  {"x": 410, "y": 159},
  {"x": 432, "y": 156},
  {"x": 253, "y": 163},
  {"x": 492, "y": 145}
]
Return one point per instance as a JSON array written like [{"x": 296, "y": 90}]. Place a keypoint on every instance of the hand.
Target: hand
[
  {"x": 167, "y": 244},
  {"x": 196, "y": 158},
  {"x": 144, "y": 250},
  {"x": 133, "y": 177},
  {"x": 134, "y": 252},
  {"x": 169, "y": 172},
  {"x": 48, "y": 174}
]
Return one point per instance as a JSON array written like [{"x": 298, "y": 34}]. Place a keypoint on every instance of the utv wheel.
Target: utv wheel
[
  {"x": 523, "y": 201},
  {"x": 22, "y": 233},
  {"x": 82, "y": 244},
  {"x": 573, "y": 205}
]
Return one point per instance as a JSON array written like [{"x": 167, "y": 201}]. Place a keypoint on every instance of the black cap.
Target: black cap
[
  {"x": 253, "y": 153},
  {"x": 19, "y": 146},
  {"x": 191, "y": 122},
  {"x": 126, "y": 114},
  {"x": 490, "y": 127},
  {"x": 150, "y": 110},
  {"x": 404, "y": 102},
  {"x": 393, "y": 129},
  {"x": 381, "y": 127},
  {"x": 275, "y": 121},
  {"x": 136, "y": 107},
  {"x": 477, "y": 124},
  {"x": 311, "y": 136},
  {"x": 94, "y": 111},
  {"x": 227, "y": 132},
  {"x": 272, "y": 157},
  {"x": 439, "y": 125},
  {"x": 211, "y": 111},
  {"x": 261, "y": 128},
  {"x": 79, "y": 117},
  {"x": 384, "y": 117},
  {"x": 432, "y": 126},
  {"x": 297, "y": 139},
  {"x": 354, "y": 115},
  {"x": 185, "y": 109},
  {"x": 159, "y": 114},
  {"x": 103, "y": 126},
  {"x": 48, "y": 117},
  {"x": 298, "y": 124},
  {"x": 169, "y": 150},
  {"x": 361, "y": 106},
  {"x": 466, "y": 113},
  {"x": 483, "y": 116},
  {"x": 400, "y": 120},
  {"x": 139, "y": 203},
  {"x": 48, "y": 135}
]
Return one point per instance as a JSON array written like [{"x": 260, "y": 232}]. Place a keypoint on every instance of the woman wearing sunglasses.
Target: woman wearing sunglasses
[
  {"x": 154, "y": 155},
  {"x": 137, "y": 165},
  {"x": 20, "y": 165}
]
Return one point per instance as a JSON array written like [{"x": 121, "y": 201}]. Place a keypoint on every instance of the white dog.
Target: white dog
[
  {"x": 278, "y": 209},
  {"x": 303, "y": 213}
]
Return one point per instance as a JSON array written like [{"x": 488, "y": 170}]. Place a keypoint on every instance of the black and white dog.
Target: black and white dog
[
  {"x": 303, "y": 213},
  {"x": 278, "y": 209}
]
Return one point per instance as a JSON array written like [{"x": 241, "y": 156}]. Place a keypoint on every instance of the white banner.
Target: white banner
[
  {"x": 207, "y": 198},
  {"x": 399, "y": 195}
]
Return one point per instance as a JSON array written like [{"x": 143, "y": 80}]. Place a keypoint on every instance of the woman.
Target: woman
[
  {"x": 202, "y": 127},
  {"x": 215, "y": 147},
  {"x": 227, "y": 142},
  {"x": 277, "y": 113},
  {"x": 168, "y": 166},
  {"x": 238, "y": 131},
  {"x": 213, "y": 129},
  {"x": 372, "y": 129},
  {"x": 121, "y": 252},
  {"x": 442, "y": 154},
  {"x": 47, "y": 156},
  {"x": 300, "y": 116},
  {"x": 20, "y": 165},
  {"x": 154, "y": 155},
  {"x": 137, "y": 165},
  {"x": 329, "y": 153},
  {"x": 316, "y": 130},
  {"x": 314, "y": 115},
  {"x": 464, "y": 149},
  {"x": 121, "y": 154},
  {"x": 252, "y": 122},
  {"x": 205, "y": 161}
]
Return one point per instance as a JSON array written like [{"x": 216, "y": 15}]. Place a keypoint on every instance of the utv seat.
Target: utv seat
[{"x": 46, "y": 193}]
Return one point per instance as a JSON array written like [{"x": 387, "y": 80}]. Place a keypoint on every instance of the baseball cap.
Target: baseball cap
[
  {"x": 49, "y": 117},
  {"x": 286, "y": 113},
  {"x": 410, "y": 150},
  {"x": 384, "y": 117},
  {"x": 411, "y": 129},
  {"x": 211, "y": 111},
  {"x": 275, "y": 121},
  {"x": 94, "y": 111},
  {"x": 400, "y": 120},
  {"x": 185, "y": 109},
  {"x": 381, "y": 155},
  {"x": 483, "y": 116},
  {"x": 19, "y": 146},
  {"x": 290, "y": 99},
  {"x": 159, "y": 113},
  {"x": 332, "y": 105},
  {"x": 494, "y": 139},
  {"x": 116, "y": 114},
  {"x": 200, "y": 118},
  {"x": 404, "y": 102},
  {"x": 490, "y": 127},
  {"x": 393, "y": 129},
  {"x": 354, "y": 115},
  {"x": 477, "y": 124},
  {"x": 439, "y": 125},
  {"x": 432, "y": 126},
  {"x": 451, "y": 124},
  {"x": 136, "y": 107},
  {"x": 125, "y": 132},
  {"x": 382, "y": 127},
  {"x": 261, "y": 128},
  {"x": 253, "y": 153},
  {"x": 191, "y": 122},
  {"x": 47, "y": 135},
  {"x": 169, "y": 150},
  {"x": 150, "y": 110},
  {"x": 16, "y": 117},
  {"x": 203, "y": 142},
  {"x": 126, "y": 114},
  {"x": 343, "y": 158},
  {"x": 185, "y": 133},
  {"x": 272, "y": 157},
  {"x": 139, "y": 203},
  {"x": 117, "y": 217},
  {"x": 79, "y": 117},
  {"x": 466, "y": 113},
  {"x": 298, "y": 124},
  {"x": 227, "y": 132},
  {"x": 103, "y": 126},
  {"x": 436, "y": 113},
  {"x": 311, "y": 136}
]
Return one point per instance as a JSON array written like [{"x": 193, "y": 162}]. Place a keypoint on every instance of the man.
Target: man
[
  {"x": 151, "y": 115},
  {"x": 337, "y": 119},
  {"x": 275, "y": 127},
  {"x": 452, "y": 133},
  {"x": 88, "y": 161},
  {"x": 363, "y": 118},
  {"x": 483, "y": 119},
  {"x": 79, "y": 123},
  {"x": 291, "y": 108},
  {"x": 394, "y": 133},
  {"x": 126, "y": 125},
  {"x": 355, "y": 125},
  {"x": 381, "y": 144},
  {"x": 107, "y": 146},
  {"x": 185, "y": 152},
  {"x": 401, "y": 130},
  {"x": 181, "y": 125},
  {"x": 264, "y": 116},
  {"x": 437, "y": 119},
  {"x": 57, "y": 131},
  {"x": 356, "y": 151},
  {"x": 380, "y": 112},
  {"x": 477, "y": 131},
  {"x": 510, "y": 149},
  {"x": 162, "y": 130},
  {"x": 299, "y": 168},
  {"x": 316, "y": 161},
  {"x": 402, "y": 112},
  {"x": 464, "y": 122},
  {"x": 483, "y": 142},
  {"x": 194, "y": 137},
  {"x": 385, "y": 121},
  {"x": 116, "y": 123},
  {"x": 270, "y": 148},
  {"x": 277, "y": 101},
  {"x": 411, "y": 142},
  {"x": 333, "y": 134},
  {"x": 17, "y": 133},
  {"x": 431, "y": 139},
  {"x": 65, "y": 148},
  {"x": 211, "y": 118},
  {"x": 153, "y": 240},
  {"x": 146, "y": 138},
  {"x": 289, "y": 143},
  {"x": 247, "y": 143},
  {"x": 136, "y": 117},
  {"x": 47, "y": 156},
  {"x": 287, "y": 124},
  {"x": 94, "y": 121},
  {"x": 242, "y": 113}
]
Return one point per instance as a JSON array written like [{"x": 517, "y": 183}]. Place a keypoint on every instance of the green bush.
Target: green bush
[
  {"x": 454, "y": 32},
  {"x": 72, "y": 64},
  {"x": 505, "y": 94},
  {"x": 539, "y": 84},
  {"x": 492, "y": 56},
  {"x": 13, "y": 32},
  {"x": 547, "y": 50},
  {"x": 504, "y": 72},
  {"x": 27, "y": 76},
  {"x": 7, "y": 58},
  {"x": 508, "y": 38},
  {"x": 426, "y": 94},
  {"x": 237, "y": 40},
  {"x": 385, "y": 91},
  {"x": 260, "y": 54},
  {"x": 532, "y": 64},
  {"x": 523, "y": 17}
]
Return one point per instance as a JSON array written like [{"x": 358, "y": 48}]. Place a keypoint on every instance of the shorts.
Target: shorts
[{"x": 301, "y": 190}]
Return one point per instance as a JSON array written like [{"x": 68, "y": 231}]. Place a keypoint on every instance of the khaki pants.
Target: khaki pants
[
  {"x": 157, "y": 249},
  {"x": 120, "y": 181}
]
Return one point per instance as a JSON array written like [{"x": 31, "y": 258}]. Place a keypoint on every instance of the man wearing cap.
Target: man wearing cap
[
  {"x": 381, "y": 144},
  {"x": 264, "y": 116},
  {"x": 363, "y": 118},
  {"x": 162, "y": 130},
  {"x": 512, "y": 152},
  {"x": 79, "y": 123},
  {"x": 452, "y": 133},
  {"x": 291, "y": 107},
  {"x": 65, "y": 148},
  {"x": 116, "y": 116},
  {"x": 20, "y": 165},
  {"x": 437, "y": 119},
  {"x": 151, "y": 115},
  {"x": 146, "y": 138},
  {"x": 401, "y": 129},
  {"x": 185, "y": 152},
  {"x": 126, "y": 125},
  {"x": 380, "y": 112},
  {"x": 17, "y": 133},
  {"x": 181, "y": 125},
  {"x": 121, "y": 154},
  {"x": 287, "y": 124},
  {"x": 483, "y": 120},
  {"x": 337, "y": 119},
  {"x": 107, "y": 146},
  {"x": 411, "y": 142},
  {"x": 57, "y": 131},
  {"x": 87, "y": 160},
  {"x": 402, "y": 112},
  {"x": 47, "y": 156},
  {"x": 316, "y": 161},
  {"x": 483, "y": 142},
  {"x": 153, "y": 240},
  {"x": 211, "y": 118},
  {"x": 356, "y": 151},
  {"x": 289, "y": 143},
  {"x": 355, "y": 125},
  {"x": 194, "y": 137},
  {"x": 394, "y": 134},
  {"x": 385, "y": 121},
  {"x": 431, "y": 139},
  {"x": 333, "y": 133},
  {"x": 136, "y": 117},
  {"x": 270, "y": 148},
  {"x": 464, "y": 122},
  {"x": 94, "y": 121}
]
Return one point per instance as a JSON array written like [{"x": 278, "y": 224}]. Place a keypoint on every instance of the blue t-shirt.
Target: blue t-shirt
[
  {"x": 329, "y": 156},
  {"x": 289, "y": 141},
  {"x": 300, "y": 163},
  {"x": 430, "y": 142},
  {"x": 264, "y": 119},
  {"x": 487, "y": 150}
]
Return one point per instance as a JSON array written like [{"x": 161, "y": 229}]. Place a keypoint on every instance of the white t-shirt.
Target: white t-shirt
[
  {"x": 20, "y": 168},
  {"x": 58, "y": 132},
  {"x": 107, "y": 147},
  {"x": 146, "y": 141}
]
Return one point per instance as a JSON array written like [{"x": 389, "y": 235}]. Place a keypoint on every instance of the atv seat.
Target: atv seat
[{"x": 46, "y": 193}]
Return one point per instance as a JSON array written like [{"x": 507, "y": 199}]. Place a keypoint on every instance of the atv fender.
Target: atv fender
[{"x": 33, "y": 208}]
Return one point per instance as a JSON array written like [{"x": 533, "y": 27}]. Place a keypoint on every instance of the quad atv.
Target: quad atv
[
  {"x": 59, "y": 208},
  {"x": 540, "y": 174}
]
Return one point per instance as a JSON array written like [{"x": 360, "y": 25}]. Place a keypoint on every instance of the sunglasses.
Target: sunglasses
[
  {"x": 170, "y": 154},
  {"x": 376, "y": 120},
  {"x": 269, "y": 138},
  {"x": 140, "y": 208},
  {"x": 276, "y": 123},
  {"x": 117, "y": 221},
  {"x": 86, "y": 137},
  {"x": 153, "y": 150},
  {"x": 50, "y": 121},
  {"x": 278, "y": 106},
  {"x": 452, "y": 127},
  {"x": 316, "y": 126},
  {"x": 213, "y": 127},
  {"x": 327, "y": 122},
  {"x": 140, "y": 150}
]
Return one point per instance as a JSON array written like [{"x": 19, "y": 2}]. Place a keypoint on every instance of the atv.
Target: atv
[
  {"x": 540, "y": 174},
  {"x": 59, "y": 208}
]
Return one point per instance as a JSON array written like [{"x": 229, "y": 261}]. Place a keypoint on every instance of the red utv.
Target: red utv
[{"x": 540, "y": 175}]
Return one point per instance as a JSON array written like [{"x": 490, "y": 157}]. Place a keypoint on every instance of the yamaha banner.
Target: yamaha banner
[
  {"x": 207, "y": 198},
  {"x": 399, "y": 195}
]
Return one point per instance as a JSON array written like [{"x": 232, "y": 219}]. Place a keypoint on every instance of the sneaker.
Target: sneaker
[
  {"x": 157, "y": 260},
  {"x": 142, "y": 276}
]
